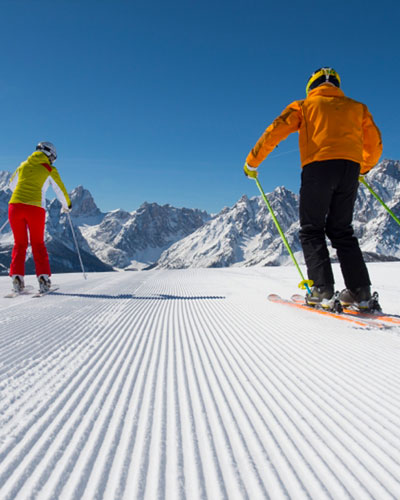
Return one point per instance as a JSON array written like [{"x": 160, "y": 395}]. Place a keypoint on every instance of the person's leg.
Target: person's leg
[
  {"x": 18, "y": 223},
  {"x": 36, "y": 223},
  {"x": 339, "y": 229},
  {"x": 315, "y": 197}
]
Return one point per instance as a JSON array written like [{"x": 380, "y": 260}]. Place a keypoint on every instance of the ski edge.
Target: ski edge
[
  {"x": 373, "y": 316},
  {"x": 42, "y": 294},
  {"x": 359, "y": 323}
]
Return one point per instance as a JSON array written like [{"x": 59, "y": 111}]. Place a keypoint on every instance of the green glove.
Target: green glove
[{"x": 250, "y": 172}]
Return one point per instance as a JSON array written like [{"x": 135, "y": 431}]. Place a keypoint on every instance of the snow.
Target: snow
[{"x": 189, "y": 384}]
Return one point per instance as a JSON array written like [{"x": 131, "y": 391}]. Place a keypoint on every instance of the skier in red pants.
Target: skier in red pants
[{"x": 26, "y": 212}]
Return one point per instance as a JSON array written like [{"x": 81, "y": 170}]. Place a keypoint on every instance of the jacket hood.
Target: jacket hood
[
  {"x": 326, "y": 89},
  {"x": 39, "y": 157}
]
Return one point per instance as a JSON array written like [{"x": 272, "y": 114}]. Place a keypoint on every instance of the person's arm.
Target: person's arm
[
  {"x": 372, "y": 145},
  {"x": 287, "y": 122},
  {"x": 59, "y": 188},
  {"x": 14, "y": 180}
]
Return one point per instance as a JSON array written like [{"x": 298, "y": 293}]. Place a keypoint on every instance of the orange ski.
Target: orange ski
[
  {"x": 374, "y": 316},
  {"x": 364, "y": 323}
]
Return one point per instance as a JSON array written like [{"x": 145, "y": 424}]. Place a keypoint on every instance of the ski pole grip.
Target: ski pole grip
[{"x": 306, "y": 285}]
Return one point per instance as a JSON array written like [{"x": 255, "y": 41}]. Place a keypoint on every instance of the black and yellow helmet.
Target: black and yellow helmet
[{"x": 322, "y": 75}]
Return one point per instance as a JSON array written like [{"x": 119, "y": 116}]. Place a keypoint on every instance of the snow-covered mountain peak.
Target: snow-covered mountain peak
[
  {"x": 241, "y": 235},
  {"x": 83, "y": 204},
  {"x": 4, "y": 179},
  {"x": 385, "y": 179},
  {"x": 245, "y": 234}
]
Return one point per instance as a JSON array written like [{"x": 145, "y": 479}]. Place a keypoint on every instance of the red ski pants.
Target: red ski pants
[{"x": 22, "y": 218}]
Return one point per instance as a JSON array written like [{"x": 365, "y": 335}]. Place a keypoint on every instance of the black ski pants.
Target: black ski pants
[{"x": 327, "y": 197}]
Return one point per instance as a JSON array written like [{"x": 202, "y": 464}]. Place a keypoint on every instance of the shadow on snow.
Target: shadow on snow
[{"x": 124, "y": 296}]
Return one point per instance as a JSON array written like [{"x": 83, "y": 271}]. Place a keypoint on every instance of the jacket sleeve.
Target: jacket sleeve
[
  {"x": 59, "y": 188},
  {"x": 14, "y": 180},
  {"x": 287, "y": 122},
  {"x": 372, "y": 144}
]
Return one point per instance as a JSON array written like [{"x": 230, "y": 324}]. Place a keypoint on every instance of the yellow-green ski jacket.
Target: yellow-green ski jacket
[{"x": 30, "y": 181}]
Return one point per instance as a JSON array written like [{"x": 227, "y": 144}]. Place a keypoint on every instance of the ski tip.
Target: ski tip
[
  {"x": 297, "y": 297},
  {"x": 273, "y": 297},
  {"x": 25, "y": 291}
]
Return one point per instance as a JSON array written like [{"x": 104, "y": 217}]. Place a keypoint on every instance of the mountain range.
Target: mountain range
[{"x": 170, "y": 237}]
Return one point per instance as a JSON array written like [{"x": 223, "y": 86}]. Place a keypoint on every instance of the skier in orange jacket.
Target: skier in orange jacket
[{"x": 338, "y": 140}]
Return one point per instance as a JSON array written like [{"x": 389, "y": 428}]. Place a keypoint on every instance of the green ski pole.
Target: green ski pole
[
  {"x": 363, "y": 181},
  {"x": 304, "y": 284}
]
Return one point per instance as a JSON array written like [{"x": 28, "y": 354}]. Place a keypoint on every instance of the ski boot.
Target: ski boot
[
  {"x": 360, "y": 299},
  {"x": 44, "y": 283},
  {"x": 18, "y": 283},
  {"x": 324, "y": 296}
]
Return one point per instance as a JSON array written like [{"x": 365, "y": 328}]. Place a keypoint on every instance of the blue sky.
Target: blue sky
[{"x": 161, "y": 101}]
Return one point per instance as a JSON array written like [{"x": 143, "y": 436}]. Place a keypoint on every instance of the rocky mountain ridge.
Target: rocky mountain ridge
[{"x": 169, "y": 237}]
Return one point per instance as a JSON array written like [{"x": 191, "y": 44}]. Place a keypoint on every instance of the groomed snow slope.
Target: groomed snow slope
[{"x": 190, "y": 384}]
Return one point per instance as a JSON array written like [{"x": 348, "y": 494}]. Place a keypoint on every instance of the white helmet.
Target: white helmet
[{"x": 48, "y": 149}]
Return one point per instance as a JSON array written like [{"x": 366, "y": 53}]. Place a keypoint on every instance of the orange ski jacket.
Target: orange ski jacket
[{"x": 331, "y": 126}]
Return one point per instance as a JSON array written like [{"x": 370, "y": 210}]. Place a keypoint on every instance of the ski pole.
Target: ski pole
[
  {"x": 3, "y": 226},
  {"x": 76, "y": 244},
  {"x": 363, "y": 181},
  {"x": 304, "y": 284}
]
